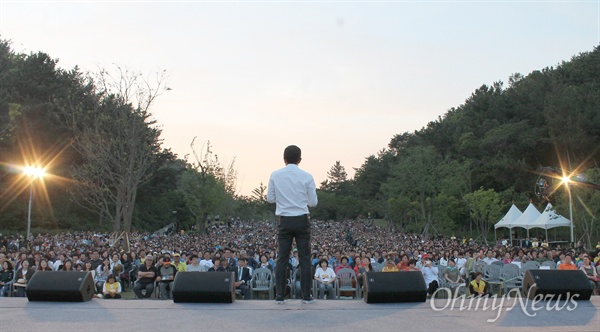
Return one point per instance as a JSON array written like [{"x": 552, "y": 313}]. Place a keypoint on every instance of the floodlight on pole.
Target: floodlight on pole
[
  {"x": 567, "y": 181},
  {"x": 34, "y": 173}
]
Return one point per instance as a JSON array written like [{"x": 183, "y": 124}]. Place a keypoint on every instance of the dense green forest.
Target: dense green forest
[{"x": 458, "y": 175}]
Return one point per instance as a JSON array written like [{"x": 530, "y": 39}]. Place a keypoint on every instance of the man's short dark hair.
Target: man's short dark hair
[{"x": 292, "y": 154}]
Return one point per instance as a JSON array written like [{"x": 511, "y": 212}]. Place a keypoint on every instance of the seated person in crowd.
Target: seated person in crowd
[
  {"x": 325, "y": 277},
  {"x": 207, "y": 261},
  {"x": 102, "y": 273},
  {"x": 195, "y": 265},
  {"x": 217, "y": 265},
  {"x": 68, "y": 266},
  {"x": 179, "y": 265},
  {"x": 430, "y": 274},
  {"x": 342, "y": 265},
  {"x": 116, "y": 267},
  {"x": 453, "y": 277},
  {"x": 146, "y": 277},
  {"x": 403, "y": 265},
  {"x": 226, "y": 264},
  {"x": 164, "y": 276},
  {"x": 6, "y": 277},
  {"x": 412, "y": 265},
  {"x": 478, "y": 287},
  {"x": 489, "y": 259},
  {"x": 22, "y": 277},
  {"x": 567, "y": 263},
  {"x": 264, "y": 263},
  {"x": 111, "y": 288},
  {"x": 390, "y": 266},
  {"x": 243, "y": 277},
  {"x": 590, "y": 273},
  {"x": 43, "y": 266},
  {"x": 361, "y": 270}
]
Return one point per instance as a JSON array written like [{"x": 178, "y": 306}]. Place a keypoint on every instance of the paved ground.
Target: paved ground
[{"x": 17, "y": 314}]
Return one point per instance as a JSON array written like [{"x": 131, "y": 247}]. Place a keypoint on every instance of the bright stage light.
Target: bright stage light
[{"x": 36, "y": 172}]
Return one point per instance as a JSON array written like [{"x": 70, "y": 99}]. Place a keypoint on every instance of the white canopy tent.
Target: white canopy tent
[
  {"x": 507, "y": 221},
  {"x": 549, "y": 219},
  {"x": 527, "y": 218}
]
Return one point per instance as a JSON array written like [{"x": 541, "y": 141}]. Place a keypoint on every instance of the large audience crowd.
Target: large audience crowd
[{"x": 117, "y": 262}]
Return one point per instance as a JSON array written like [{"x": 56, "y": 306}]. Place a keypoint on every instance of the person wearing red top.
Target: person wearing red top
[
  {"x": 343, "y": 264},
  {"x": 403, "y": 265}
]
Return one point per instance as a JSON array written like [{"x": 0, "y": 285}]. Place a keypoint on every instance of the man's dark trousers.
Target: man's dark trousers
[{"x": 297, "y": 227}]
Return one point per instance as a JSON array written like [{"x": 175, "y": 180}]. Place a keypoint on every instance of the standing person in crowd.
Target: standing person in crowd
[
  {"x": 146, "y": 275},
  {"x": 111, "y": 288},
  {"x": 293, "y": 191}
]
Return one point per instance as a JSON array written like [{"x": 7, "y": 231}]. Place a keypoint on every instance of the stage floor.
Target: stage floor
[{"x": 17, "y": 314}]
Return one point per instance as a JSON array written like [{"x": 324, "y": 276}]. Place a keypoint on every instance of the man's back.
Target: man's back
[{"x": 293, "y": 190}]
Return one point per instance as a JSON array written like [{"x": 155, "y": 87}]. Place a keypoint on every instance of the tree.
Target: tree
[
  {"x": 208, "y": 186},
  {"x": 485, "y": 209},
  {"x": 259, "y": 194},
  {"x": 415, "y": 176},
  {"x": 259, "y": 200},
  {"x": 336, "y": 178},
  {"x": 119, "y": 143}
]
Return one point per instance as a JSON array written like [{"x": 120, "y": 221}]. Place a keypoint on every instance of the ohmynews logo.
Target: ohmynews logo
[{"x": 497, "y": 303}]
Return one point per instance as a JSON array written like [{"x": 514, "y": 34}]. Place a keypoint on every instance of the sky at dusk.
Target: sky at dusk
[{"x": 338, "y": 79}]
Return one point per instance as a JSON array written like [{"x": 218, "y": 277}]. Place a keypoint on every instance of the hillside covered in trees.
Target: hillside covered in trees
[{"x": 459, "y": 174}]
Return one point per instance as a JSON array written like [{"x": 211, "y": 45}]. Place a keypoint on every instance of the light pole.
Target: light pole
[
  {"x": 566, "y": 180},
  {"x": 34, "y": 172}
]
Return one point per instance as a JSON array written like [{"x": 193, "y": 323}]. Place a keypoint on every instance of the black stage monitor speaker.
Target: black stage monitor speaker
[
  {"x": 391, "y": 287},
  {"x": 557, "y": 282},
  {"x": 60, "y": 286},
  {"x": 211, "y": 287}
]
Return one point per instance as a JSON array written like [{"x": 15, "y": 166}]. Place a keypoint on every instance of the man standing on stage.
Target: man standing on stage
[{"x": 293, "y": 191}]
